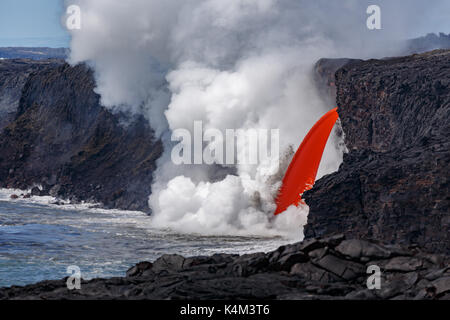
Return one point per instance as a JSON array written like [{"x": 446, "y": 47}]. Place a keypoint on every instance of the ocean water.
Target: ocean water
[{"x": 39, "y": 240}]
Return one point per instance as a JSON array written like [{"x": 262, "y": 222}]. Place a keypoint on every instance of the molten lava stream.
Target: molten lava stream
[{"x": 302, "y": 171}]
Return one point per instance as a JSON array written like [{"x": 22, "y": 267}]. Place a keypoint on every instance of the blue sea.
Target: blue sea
[{"x": 39, "y": 240}]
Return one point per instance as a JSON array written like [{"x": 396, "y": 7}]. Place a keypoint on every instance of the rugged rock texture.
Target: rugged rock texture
[
  {"x": 331, "y": 268},
  {"x": 13, "y": 76},
  {"x": 57, "y": 135},
  {"x": 324, "y": 77},
  {"x": 394, "y": 183}
]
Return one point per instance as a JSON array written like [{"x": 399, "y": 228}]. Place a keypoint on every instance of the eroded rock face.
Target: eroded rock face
[
  {"x": 324, "y": 77},
  {"x": 59, "y": 136},
  {"x": 13, "y": 76},
  {"x": 328, "y": 268},
  {"x": 394, "y": 183}
]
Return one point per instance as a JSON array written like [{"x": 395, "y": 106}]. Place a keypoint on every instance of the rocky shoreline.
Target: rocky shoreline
[
  {"x": 388, "y": 204},
  {"x": 328, "y": 268}
]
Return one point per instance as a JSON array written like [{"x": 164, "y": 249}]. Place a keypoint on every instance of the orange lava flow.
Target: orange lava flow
[{"x": 302, "y": 171}]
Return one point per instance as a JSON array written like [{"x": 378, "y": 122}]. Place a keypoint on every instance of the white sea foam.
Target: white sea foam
[{"x": 5, "y": 195}]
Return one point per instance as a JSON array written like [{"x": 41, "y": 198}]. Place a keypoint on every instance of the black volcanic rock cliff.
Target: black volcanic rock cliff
[
  {"x": 13, "y": 76},
  {"x": 55, "y": 133},
  {"x": 394, "y": 183}
]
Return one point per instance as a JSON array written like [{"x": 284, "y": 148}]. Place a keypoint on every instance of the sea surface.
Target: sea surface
[{"x": 39, "y": 240}]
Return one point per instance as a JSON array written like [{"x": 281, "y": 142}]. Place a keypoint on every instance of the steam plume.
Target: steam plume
[{"x": 234, "y": 64}]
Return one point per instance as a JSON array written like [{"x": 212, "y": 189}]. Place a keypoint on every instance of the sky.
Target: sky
[
  {"x": 38, "y": 23},
  {"x": 32, "y": 23}
]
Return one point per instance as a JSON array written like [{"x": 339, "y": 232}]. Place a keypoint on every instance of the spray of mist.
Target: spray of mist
[{"x": 233, "y": 64}]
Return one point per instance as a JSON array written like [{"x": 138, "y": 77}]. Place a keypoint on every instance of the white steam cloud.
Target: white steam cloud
[{"x": 233, "y": 64}]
